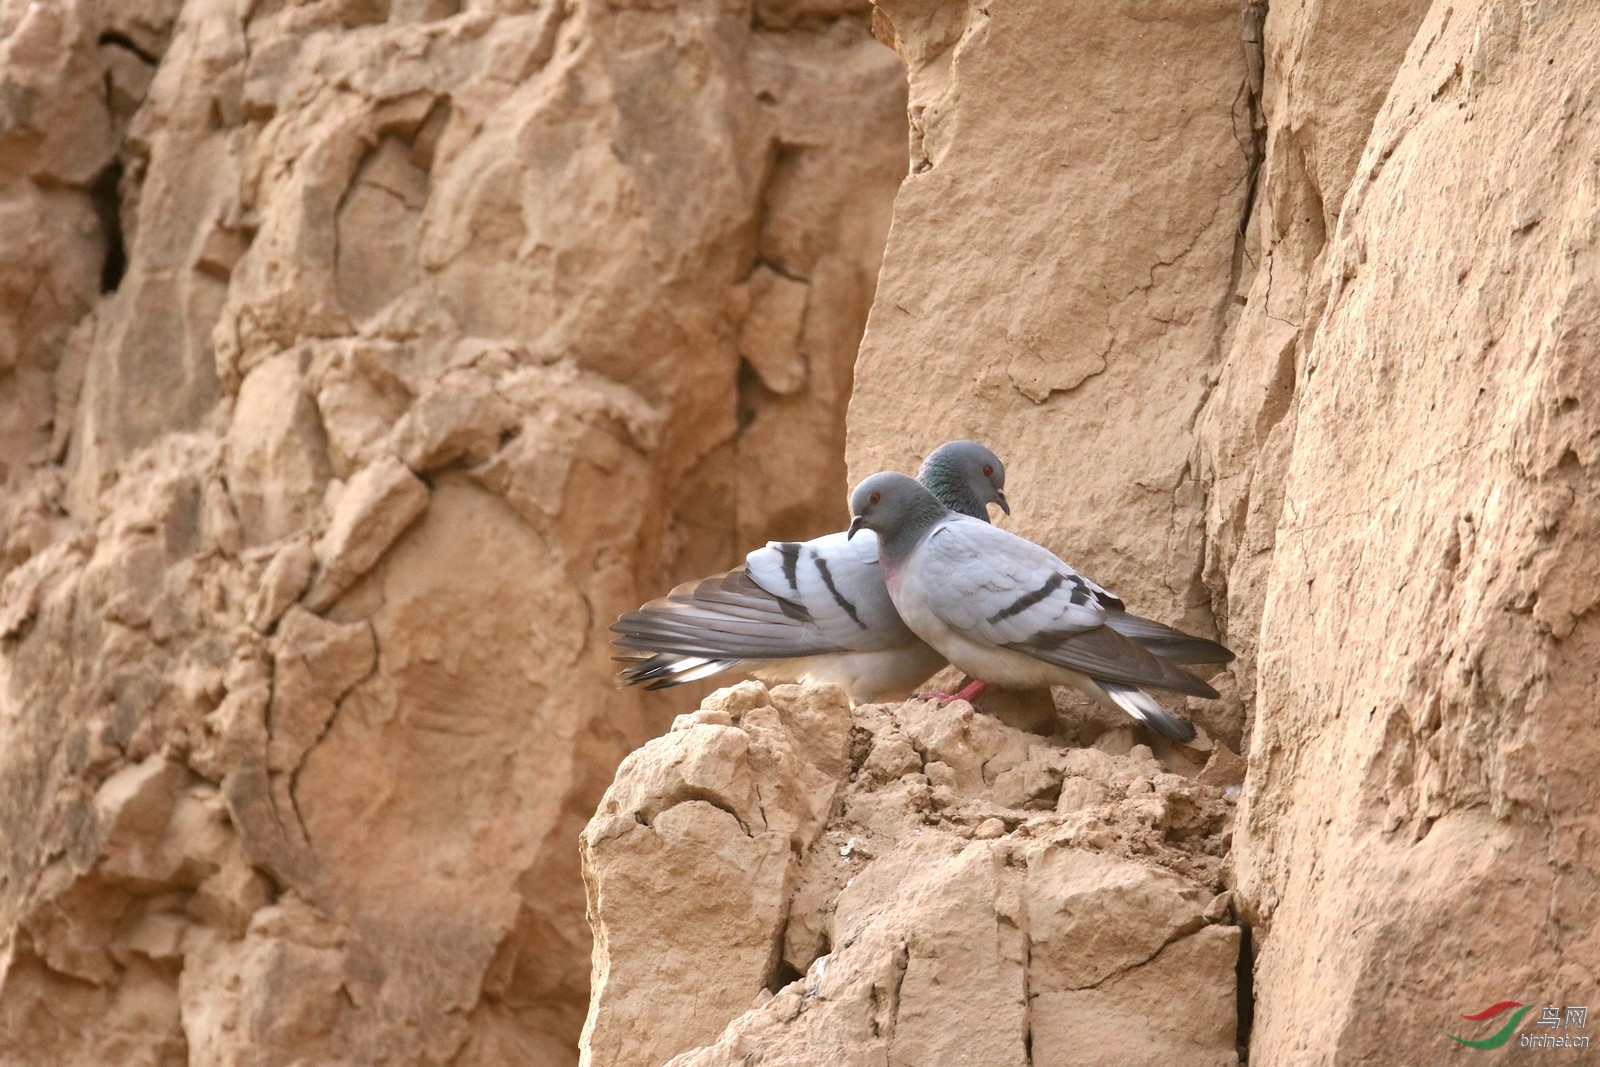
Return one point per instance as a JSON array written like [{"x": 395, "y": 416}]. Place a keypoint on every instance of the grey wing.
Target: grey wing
[
  {"x": 1007, "y": 591},
  {"x": 998, "y": 588},
  {"x": 791, "y": 599},
  {"x": 1158, "y": 638},
  {"x": 726, "y": 616},
  {"x": 1107, "y": 656},
  {"x": 838, "y": 582}
]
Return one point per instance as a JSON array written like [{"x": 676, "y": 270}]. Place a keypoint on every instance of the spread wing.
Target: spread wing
[{"x": 791, "y": 599}]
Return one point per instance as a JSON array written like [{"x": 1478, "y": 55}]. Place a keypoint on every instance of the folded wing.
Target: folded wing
[
  {"x": 837, "y": 581},
  {"x": 1166, "y": 641},
  {"x": 1002, "y": 590}
]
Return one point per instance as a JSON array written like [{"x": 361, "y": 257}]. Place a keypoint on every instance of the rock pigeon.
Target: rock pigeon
[
  {"x": 806, "y": 611},
  {"x": 1008, "y": 611}
]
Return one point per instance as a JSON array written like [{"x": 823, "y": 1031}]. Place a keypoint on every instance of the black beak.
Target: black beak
[
  {"x": 1000, "y": 498},
  {"x": 856, "y": 526}
]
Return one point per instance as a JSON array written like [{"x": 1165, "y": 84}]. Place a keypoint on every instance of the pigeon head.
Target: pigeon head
[
  {"x": 896, "y": 508},
  {"x": 966, "y": 477}
]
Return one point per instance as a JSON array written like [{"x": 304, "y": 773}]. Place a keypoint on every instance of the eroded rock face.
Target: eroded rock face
[
  {"x": 782, "y": 877},
  {"x": 1333, "y": 285},
  {"x": 1428, "y": 639},
  {"x": 434, "y": 335},
  {"x": 691, "y": 860}
]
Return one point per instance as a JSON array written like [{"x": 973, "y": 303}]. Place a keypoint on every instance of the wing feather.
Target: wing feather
[
  {"x": 726, "y": 616},
  {"x": 838, "y": 581},
  {"x": 1166, "y": 641},
  {"x": 1000, "y": 588},
  {"x": 1105, "y": 655}
]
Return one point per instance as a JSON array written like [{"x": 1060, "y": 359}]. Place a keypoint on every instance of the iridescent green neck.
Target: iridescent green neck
[{"x": 952, "y": 489}]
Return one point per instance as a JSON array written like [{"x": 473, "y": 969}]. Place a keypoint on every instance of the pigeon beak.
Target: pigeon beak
[
  {"x": 856, "y": 526},
  {"x": 1000, "y": 498}
]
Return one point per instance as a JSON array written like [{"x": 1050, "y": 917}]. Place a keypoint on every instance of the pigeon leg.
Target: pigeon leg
[{"x": 973, "y": 689}]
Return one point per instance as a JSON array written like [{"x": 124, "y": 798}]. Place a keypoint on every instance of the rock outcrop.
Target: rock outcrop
[
  {"x": 359, "y": 361},
  {"x": 782, "y": 877}
]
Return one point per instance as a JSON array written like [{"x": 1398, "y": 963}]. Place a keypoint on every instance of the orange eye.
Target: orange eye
[
  {"x": 988, "y": 472},
  {"x": 874, "y": 498}
]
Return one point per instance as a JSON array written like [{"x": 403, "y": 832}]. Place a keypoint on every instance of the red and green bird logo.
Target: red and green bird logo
[{"x": 1502, "y": 1035}]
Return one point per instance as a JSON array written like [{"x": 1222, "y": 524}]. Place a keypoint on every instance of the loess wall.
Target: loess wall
[{"x": 360, "y": 360}]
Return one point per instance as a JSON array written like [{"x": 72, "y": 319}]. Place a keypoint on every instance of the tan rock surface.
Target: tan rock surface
[
  {"x": 921, "y": 908},
  {"x": 1326, "y": 70},
  {"x": 420, "y": 356},
  {"x": 691, "y": 860},
  {"x": 1428, "y": 642}
]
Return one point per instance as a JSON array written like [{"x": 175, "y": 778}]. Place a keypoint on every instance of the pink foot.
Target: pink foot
[{"x": 975, "y": 689}]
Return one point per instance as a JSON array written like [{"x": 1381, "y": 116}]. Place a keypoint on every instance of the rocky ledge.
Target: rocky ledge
[{"x": 786, "y": 878}]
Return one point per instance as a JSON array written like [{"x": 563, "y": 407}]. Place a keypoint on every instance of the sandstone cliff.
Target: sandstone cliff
[
  {"x": 360, "y": 360},
  {"x": 1284, "y": 320}
]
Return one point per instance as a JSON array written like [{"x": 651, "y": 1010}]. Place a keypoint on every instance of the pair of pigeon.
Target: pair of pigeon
[{"x": 920, "y": 579}]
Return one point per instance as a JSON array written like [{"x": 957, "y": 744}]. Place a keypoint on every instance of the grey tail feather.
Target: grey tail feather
[
  {"x": 664, "y": 670},
  {"x": 1166, "y": 641},
  {"x": 1143, "y": 706}
]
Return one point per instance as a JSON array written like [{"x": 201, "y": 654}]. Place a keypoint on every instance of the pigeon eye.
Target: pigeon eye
[
  {"x": 988, "y": 471},
  {"x": 874, "y": 498}
]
